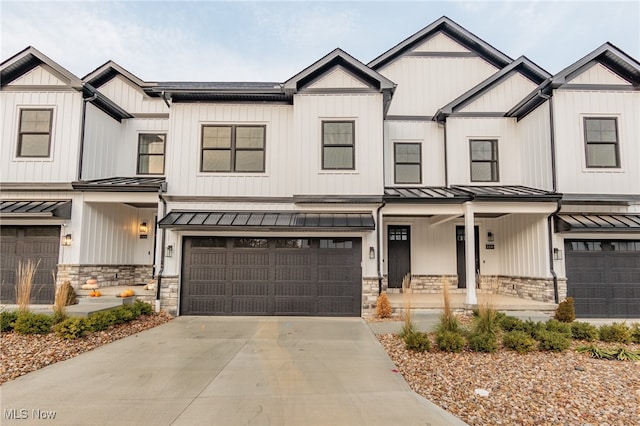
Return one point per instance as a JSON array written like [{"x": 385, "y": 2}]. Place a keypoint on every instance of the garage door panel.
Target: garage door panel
[
  {"x": 207, "y": 288},
  {"x": 250, "y": 259},
  {"x": 293, "y": 306},
  {"x": 246, "y": 306},
  {"x": 200, "y": 258},
  {"x": 250, "y": 274},
  {"x": 334, "y": 306},
  {"x": 208, "y": 273},
  {"x": 294, "y": 289},
  {"x": 250, "y": 289},
  {"x": 206, "y": 306},
  {"x": 293, "y": 274}
]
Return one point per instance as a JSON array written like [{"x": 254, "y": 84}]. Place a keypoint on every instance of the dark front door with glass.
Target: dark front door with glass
[{"x": 399, "y": 244}]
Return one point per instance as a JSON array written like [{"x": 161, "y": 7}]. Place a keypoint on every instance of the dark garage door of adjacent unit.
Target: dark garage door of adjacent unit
[
  {"x": 19, "y": 243},
  {"x": 271, "y": 276},
  {"x": 604, "y": 278}
]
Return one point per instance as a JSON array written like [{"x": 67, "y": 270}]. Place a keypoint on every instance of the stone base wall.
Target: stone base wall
[
  {"x": 107, "y": 275},
  {"x": 169, "y": 294},
  {"x": 539, "y": 289},
  {"x": 369, "y": 296},
  {"x": 428, "y": 284}
]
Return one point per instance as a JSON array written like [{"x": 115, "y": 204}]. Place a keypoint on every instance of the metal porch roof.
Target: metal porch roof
[
  {"x": 462, "y": 193},
  {"x": 431, "y": 194},
  {"x": 598, "y": 223},
  {"x": 275, "y": 220},
  {"x": 39, "y": 208},
  {"x": 121, "y": 184}
]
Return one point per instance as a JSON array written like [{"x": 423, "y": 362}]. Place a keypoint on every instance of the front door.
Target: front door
[
  {"x": 461, "y": 256},
  {"x": 399, "y": 245}
]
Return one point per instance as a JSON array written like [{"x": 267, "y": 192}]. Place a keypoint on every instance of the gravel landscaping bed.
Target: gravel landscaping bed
[
  {"x": 539, "y": 388},
  {"x": 24, "y": 353}
]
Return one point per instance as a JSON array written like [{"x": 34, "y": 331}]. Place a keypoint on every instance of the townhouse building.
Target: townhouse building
[{"x": 442, "y": 158}]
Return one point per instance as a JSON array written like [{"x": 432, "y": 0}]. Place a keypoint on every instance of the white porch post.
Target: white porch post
[{"x": 469, "y": 252}]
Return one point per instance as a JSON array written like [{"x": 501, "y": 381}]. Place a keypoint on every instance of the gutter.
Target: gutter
[
  {"x": 378, "y": 239},
  {"x": 446, "y": 165},
  {"x": 551, "y": 268},
  {"x": 82, "y": 128},
  {"x": 162, "y": 244}
]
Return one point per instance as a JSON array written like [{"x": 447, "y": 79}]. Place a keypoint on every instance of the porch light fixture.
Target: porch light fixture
[
  {"x": 143, "y": 228},
  {"x": 169, "y": 251},
  {"x": 372, "y": 253},
  {"x": 490, "y": 236},
  {"x": 66, "y": 240},
  {"x": 557, "y": 254}
]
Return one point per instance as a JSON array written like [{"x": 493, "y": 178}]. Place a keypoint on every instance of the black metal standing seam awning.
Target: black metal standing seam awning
[
  {"x": 463, "y": 193},
  {"x": 261, "y": 221},
  {"x": 121, "y": 184},
  {"x": 36, "y": 209},
  {"x": 598, "y": 223},
  {"x": 432, "y": 194}
]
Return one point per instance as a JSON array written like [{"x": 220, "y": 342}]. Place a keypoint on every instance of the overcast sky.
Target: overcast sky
[{"x": 272, "y": 41}]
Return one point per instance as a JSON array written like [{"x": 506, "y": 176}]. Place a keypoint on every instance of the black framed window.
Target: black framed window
[
  {"x": 408, "y": 167},
  {"x": 232, "y": 148},
  {"x": 484, "y": 160},
  {"x": 34, "y": 133},
  {"x": 601, "y": 142},
  {"x": 151, "y": 153},
  {"x": 338, "y": 145}
]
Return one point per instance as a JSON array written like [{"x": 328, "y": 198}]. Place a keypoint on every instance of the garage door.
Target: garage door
[
  {"x": 19, "y": 243},
  {"x": 604, "y": 278},
  {"x": 271, "y": 276}
]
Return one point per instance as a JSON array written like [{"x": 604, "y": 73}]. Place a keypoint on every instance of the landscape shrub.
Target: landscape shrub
[
  {"x": 483, "y": 342},
  {"x": 519, "y": 341},
  {"x": 584, "y": 331},
  {"x": 509, "y": 323},
  {"x": 450, "y": 341},
  {"x": 617, "y": 332},
  {"x": 143, "y": 307},
  {"x": 486, "y": 321},
  {"x": 635, "y": 332},
  {"x": 417, "y": 341},
  {"x": 553, "y": 341},
  {"x": 558, "y": 327},
  {"x": 102, "y": 320},
  {"x": 59, "y": 316},
  {"x": 32, "y": 323},
  {"x": 383, "y": 306},
  {"x": 533, "y": 328},
  {"x": 73, "y": 328},
  {"x": 7, "y": 320},
  {"x": 408, "y": 328},
  {"x": 566, "y": 312}
]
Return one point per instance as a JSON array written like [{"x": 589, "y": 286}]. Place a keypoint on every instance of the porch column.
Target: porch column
[{"x": 469, "y": 253}]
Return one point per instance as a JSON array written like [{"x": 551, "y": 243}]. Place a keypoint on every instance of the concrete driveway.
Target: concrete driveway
[{"x": 226, "y": 371}]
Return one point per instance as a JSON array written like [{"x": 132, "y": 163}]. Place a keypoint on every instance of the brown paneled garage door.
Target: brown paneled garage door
[
  {"x": 603, "y": 277},
  {"x": 271, "y": 276},
  {"x": 19, "y": 243}
]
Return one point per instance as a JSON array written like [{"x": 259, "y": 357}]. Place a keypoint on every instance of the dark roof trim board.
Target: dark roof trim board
[
  {"x": 597, "y": 223},
  {"x": 268, "y": 221},
  {"x": 451, "y": 29},
  {"x": 522, "y": 65},
  {"x": 463, "y": 193},
  {"x": 41, "y": 208},
  {"x": 122, "y": 184},
  {"x": 337, "y": 199},
  {"x": 107, "y": 71},
  {"x": 618, "y": 199}
]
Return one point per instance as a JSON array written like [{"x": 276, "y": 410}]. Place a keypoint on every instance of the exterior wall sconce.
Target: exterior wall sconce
[
  {"x": 143, "y": 229},
  {"x": 169, "y": 251},
  {"x": 557, "y": 254},
  {"x": 372, "y": 253},
  {"x": 66, "y": 240},
  {"x": 490, "y": 236}
]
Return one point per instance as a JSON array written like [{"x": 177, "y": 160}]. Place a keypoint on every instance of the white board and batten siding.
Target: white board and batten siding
[
  {"x": 534, "y": 137},
  {"x": 310, "y": 110},
  {"x": 62, "y": 163},
  {"x": 570, "y": 109},
  {"x": 503, "y": 96},
  {"x": 337, "y": 78},
  {"x": 184, "y": 141},
  {"x": 598, "y": 74},
  {"x": 131, "y": 97},
  {"x": 430, "y": 136},
  {"x": 41, "y": 75}
]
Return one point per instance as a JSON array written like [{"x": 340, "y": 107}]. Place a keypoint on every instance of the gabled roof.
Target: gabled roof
[
  {"x": 343, "y": 59},
  {"x": 451, "y": 29},
  {"x": 28, "y": 59},
  {"x": 521, "y": 65},
  {"x": 608, "y": 55},
  {"x": 107, "y": 71}
]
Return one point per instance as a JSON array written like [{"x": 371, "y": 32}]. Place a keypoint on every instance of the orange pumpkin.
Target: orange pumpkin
[
  {"x": 124, "y": 294},
  {"x": 98, "y": 294}
]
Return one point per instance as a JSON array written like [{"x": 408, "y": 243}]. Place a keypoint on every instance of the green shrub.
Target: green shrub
[
  {"x": 486, "y": 321},
  {"x": 407, "y": 329},
  {"x": 558, "y": 327},
  {"x": 533, "y": 328},
  {"x": 73, "y": 328},
  {"x": 59, "y": 316},
  {"x": 519, "y": 341},
  {"x": 31, "y": 323},
  {"x": 483, "y": 342},
  {"x": 566, "y": 312},
  {"x": 102, "y": 320},
  {"x": 584, "y": 331},
  {"x": 123, "y": 314},
  {"x": 142, "y": 308},
  {"x": 553, "y": 341},
  {"x": 450, "y": 341},
  {"x": 417, "y": 341},
  {"x": 509, "y": 323},
  {"x": 7, "y": 320},
  {"x": 616, "y": 332},
  {"x": 448, "y": 323},
  {"x": 635, "y": 332}
]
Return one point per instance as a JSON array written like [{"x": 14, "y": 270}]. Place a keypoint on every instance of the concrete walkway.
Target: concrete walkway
[{"x": 228, "y": 371}]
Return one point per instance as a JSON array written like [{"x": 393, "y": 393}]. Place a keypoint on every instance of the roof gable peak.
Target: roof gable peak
[{"x": 30, "y": 58}]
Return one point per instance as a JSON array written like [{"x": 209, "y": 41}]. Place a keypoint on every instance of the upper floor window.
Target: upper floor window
[
  {"x": 338, "y": 145},
  {"x": 151, "y": 154},
  {"x": 232, "y": 148},
  {"x": 34, "y": 134},
  {"x": 601, "y": 139},
  {"x": 484, "y": 160},
  {"x": 407, "y": 162}
]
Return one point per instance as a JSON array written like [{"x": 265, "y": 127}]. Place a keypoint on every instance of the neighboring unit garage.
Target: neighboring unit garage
[
  {"x": 603, "y": 277},
  {"x": 271, "y": 276}
]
